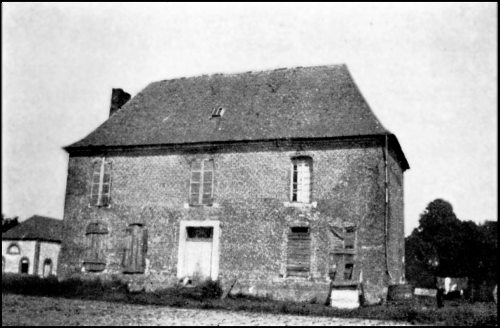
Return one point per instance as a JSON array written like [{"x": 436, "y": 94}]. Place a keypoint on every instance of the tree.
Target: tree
[
  {"x": 444, "y": 246},
  {"x": 8, "y": 223}
]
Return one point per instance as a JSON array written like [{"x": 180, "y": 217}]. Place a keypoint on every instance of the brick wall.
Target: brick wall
[{"x": 251, "y": 189}]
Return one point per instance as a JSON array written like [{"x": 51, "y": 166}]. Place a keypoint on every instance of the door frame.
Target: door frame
[{"x": 214, "y": 269}]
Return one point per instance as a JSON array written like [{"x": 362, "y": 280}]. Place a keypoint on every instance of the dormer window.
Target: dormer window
[{"x": 217, "y": 112}]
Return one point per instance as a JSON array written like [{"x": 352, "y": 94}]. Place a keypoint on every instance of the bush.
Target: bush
[{"x": 206, "y": 296}]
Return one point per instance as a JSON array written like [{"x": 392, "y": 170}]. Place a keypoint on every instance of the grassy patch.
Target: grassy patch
[{"x": 207, "y": 296}]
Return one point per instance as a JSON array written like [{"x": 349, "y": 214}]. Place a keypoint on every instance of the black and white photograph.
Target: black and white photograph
[{"x": 249, "y": 164}]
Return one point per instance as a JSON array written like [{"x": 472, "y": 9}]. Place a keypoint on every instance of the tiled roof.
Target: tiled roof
[
  {"x": 302, "y": 102},
  {"x": 36, "y": 228}
]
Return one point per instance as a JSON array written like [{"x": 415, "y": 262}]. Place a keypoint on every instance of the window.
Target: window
[
  {"x": 47, "y": 268},
  {"x": 217, "y": 112},
  {"x": 100, "y": 191},
  {"x": 298, "y": 252},
  {"x": 134, "y": 255},
  {"x": 24, "y": 265},
  {"x": 342, "y": 267},
  {"x": 202, "y": 179},
  {"x": 195, "y": 233},
  {"x": 301, "y": 179},
  {"x": 95, "y": 258},
  {"x": 13, "y": 249}
]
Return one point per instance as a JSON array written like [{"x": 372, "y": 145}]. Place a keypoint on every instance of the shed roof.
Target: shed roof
[
  {"x": 36, "y": 228},
  {"x": 301, "y": 102}
]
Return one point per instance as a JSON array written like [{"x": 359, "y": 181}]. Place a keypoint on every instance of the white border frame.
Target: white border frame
[{"x": 214, "y": 269}]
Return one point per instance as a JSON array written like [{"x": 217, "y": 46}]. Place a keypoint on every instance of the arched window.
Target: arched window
[
  {"x": 24, "y": 265},
  {"x": 14, "y": 249},
  {"x": 47, "y": 268}
]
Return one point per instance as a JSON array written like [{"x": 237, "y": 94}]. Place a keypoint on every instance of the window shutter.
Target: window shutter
[
  {"x": 208, "y": 175},
  {"x": 95, "y": 259},
  {"x": 106, "y": 184},
  {"x": 144, "y": 249},
  {"x": 134, "y": 260},
  {"x": 299, "y": 252},
  {"x": 94, "y": 183},
  {"x": 195, "y": 185}
]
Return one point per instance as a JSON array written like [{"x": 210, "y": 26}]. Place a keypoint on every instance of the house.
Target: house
[
  {"x": 284, "y": 180},
  {"x": 32, "y": 247}
]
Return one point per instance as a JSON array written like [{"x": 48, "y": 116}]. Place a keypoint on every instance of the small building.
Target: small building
[
  {"x": 32, "y": 247},
  {"x": 284, "y": 180}
]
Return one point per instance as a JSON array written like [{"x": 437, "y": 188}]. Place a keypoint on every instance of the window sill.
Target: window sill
[
  {"x": 187, "y": 205},
  {"x": 300, "y": 205},
  {"x": 340, "y": 250}
]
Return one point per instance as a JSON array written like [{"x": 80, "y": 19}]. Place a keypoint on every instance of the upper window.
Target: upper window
[
  {"x": 95, "y": 257},
  {"x": 134, "y": 256},
  {"x": 202, "y": 180},
  {"x": 100, "y": 192},
  {"x": 301, "y": 179},
  {"x": 13, "y": 249}
]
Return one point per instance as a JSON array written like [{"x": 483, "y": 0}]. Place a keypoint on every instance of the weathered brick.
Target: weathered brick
[{"x": 251, "y": 186}]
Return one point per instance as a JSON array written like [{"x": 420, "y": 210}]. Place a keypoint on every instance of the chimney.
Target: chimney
[{"x": 118, "y": 99}]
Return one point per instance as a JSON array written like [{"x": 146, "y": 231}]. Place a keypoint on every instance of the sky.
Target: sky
[{"x": 428, "y": 71}]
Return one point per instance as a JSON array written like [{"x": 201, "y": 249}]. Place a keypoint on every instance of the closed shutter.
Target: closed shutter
[
  {"x": 95, "y": 259},
  {"x": 299, "y": 252},
  {"x": 134, "y": 257},
  {"x": 95, "y": 182}
]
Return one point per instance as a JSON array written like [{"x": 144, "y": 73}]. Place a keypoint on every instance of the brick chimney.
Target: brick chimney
[{"x": 118, "y": 99}]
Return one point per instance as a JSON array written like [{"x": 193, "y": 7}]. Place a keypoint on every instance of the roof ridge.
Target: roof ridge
[{"x": 208, "y": 75}]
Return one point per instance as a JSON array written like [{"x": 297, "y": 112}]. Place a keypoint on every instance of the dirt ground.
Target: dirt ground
[{"x": 31, "y": 310}]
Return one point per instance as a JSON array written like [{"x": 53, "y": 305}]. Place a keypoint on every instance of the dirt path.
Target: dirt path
[{"x": 29, "y": 310}]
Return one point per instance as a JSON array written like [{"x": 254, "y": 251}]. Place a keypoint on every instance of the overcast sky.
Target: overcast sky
[{"x": 428, "y": 71}]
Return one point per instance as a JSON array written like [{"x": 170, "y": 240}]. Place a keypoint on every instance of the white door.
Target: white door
[{"x": 198, "y": 252}]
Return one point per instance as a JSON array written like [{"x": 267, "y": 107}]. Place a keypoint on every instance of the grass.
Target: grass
[{"x": 207, "y": 296}]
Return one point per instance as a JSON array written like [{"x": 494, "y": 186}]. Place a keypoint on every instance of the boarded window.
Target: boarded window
[
  {"x": 298, "y": 252},
  {"x": 201, "y": 186},
  {"x": 24, "y": 265},
  {"x": 301, "y": 180},
  {"x": 134, "y": 255},
  {"x": 100, "y": 191},
  {"x": 95, "y": 257}
]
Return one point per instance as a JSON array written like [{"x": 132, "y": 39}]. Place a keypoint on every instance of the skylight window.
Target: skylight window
[{"x": 217, "y": 112}]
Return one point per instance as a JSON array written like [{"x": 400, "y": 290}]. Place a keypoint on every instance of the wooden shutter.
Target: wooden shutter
[
  {"x": 208, "y": 176},
  {"x": 95, "y": 183},
  {"x": 299, "y": 252},
  {"x": 134, "y": 260},
  {"x": 95, "y": 259},
  {"x": 106, "y": 184}
]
